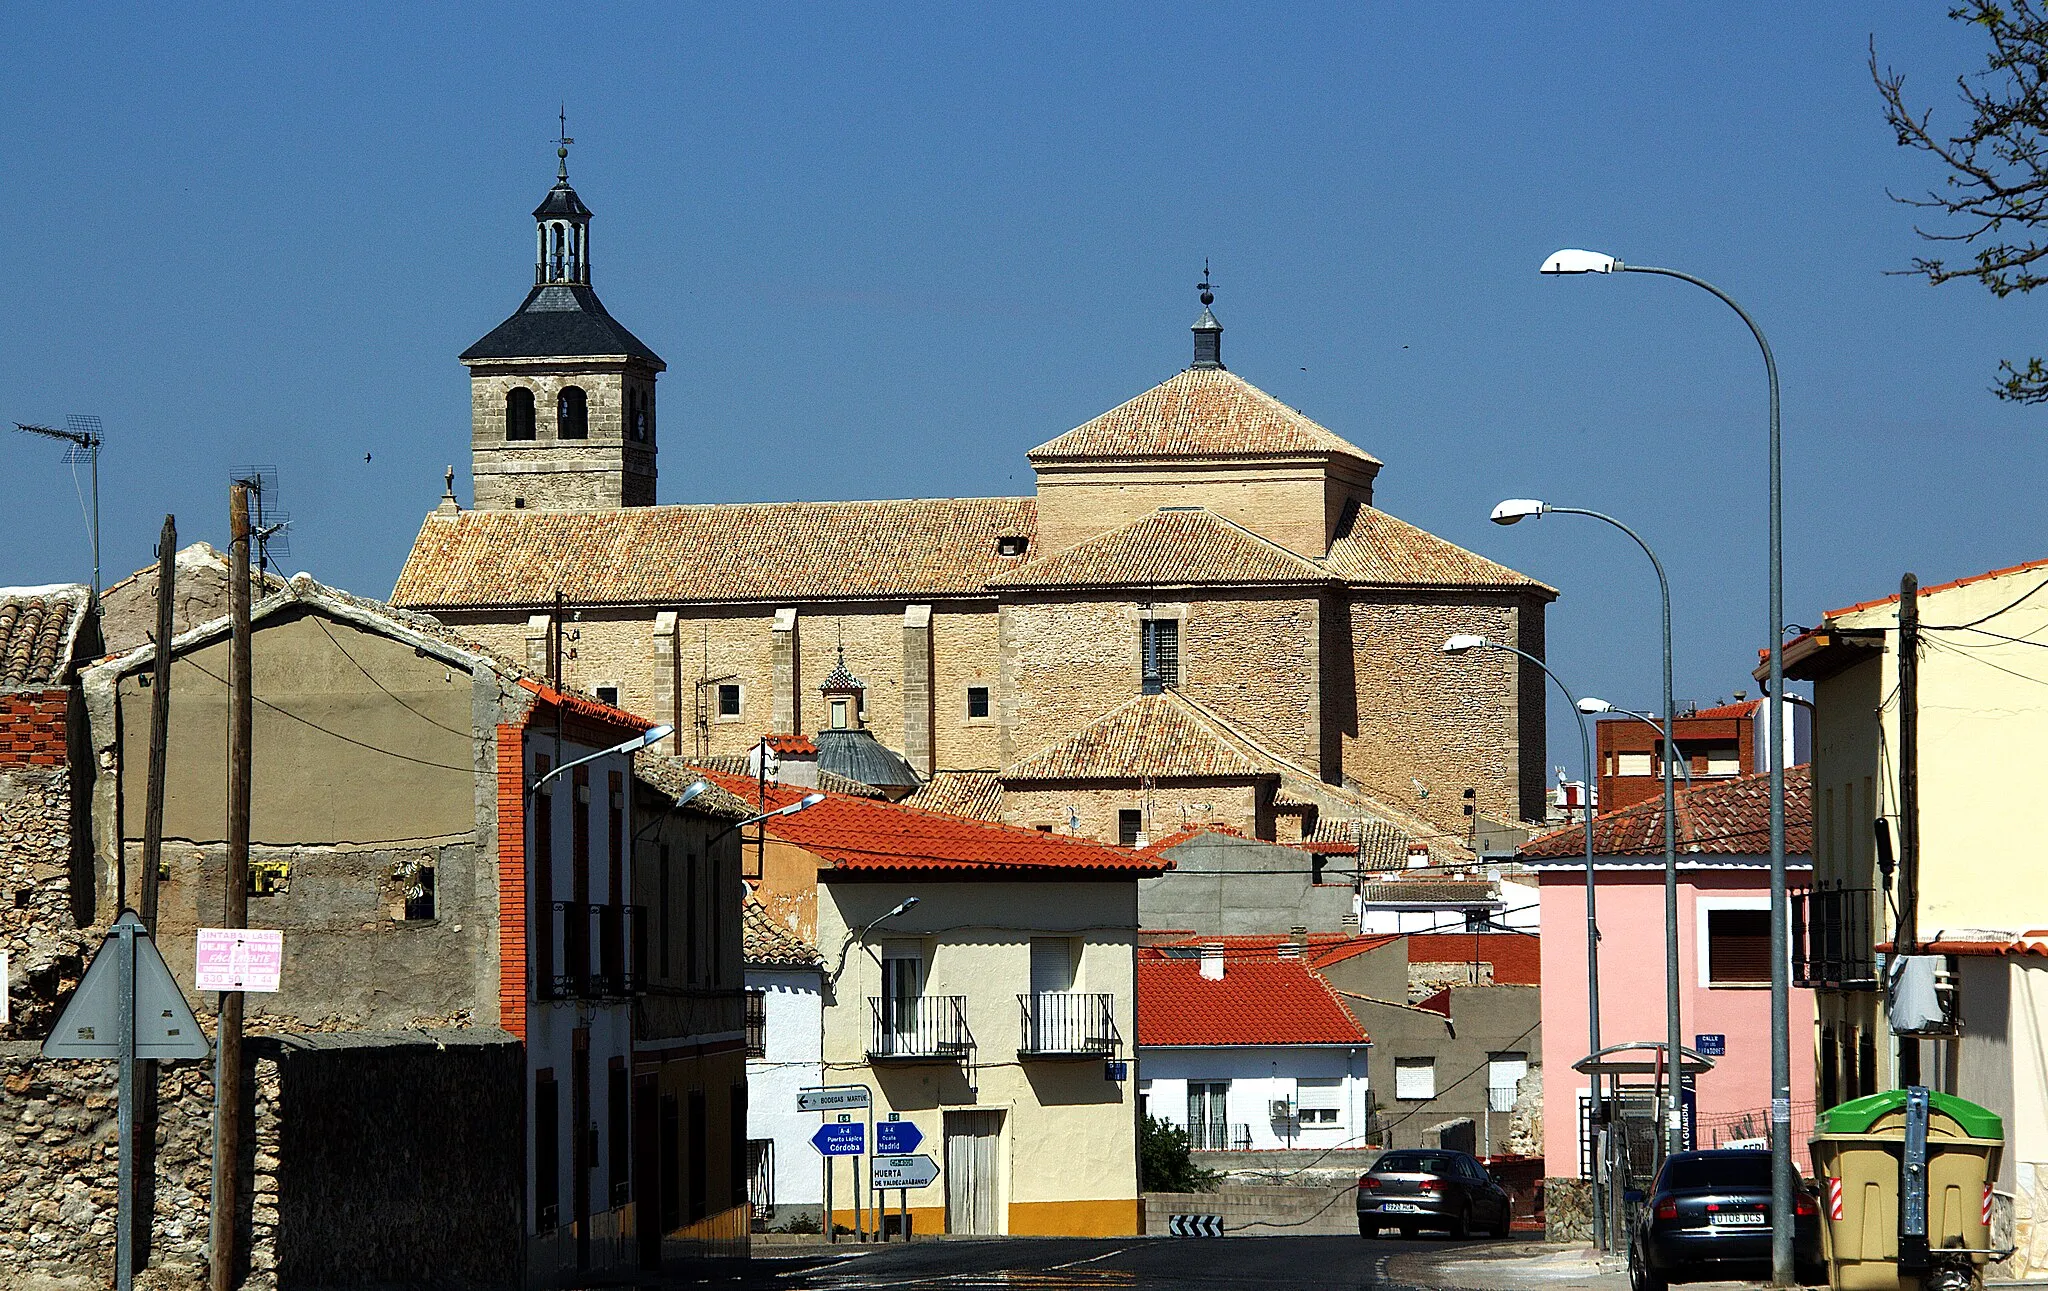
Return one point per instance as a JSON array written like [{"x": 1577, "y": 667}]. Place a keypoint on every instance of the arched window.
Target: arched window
[
  {"x": 572, "y": 414},
  {"x": 555, "y": 252},
  {"x": 519, "y": 413}
]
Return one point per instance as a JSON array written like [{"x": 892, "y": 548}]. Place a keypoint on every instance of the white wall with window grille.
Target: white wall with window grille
[
  {"x": 1225, "y": 1095},
  {"x": 1504, "y": 1074}
]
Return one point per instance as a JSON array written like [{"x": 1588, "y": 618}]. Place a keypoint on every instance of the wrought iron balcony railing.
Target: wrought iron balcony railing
[
  {"x": 927, "y": 1027},
  {"x": 1832, "y": 941},
  {"x": 1068, "y": 1024},
  {"x": 600, "y": 950}
]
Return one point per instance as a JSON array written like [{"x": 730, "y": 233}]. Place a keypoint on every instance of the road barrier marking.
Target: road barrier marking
[{"x": 1194, "y": 1225}]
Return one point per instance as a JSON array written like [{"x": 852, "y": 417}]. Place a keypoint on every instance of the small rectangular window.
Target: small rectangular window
[
  {"x": 419, "y": 895},
  {"x": 1633, "y": 764},
  {"x": 608, "y": 695},
  {"x": 1415, "y": 1078},
  {"x": 729, "y": 699},
  {"x": 757, "y": 1024},
  {"x": 1130, "y": 824},
  {"x": 977, "y": 701},
  {"x": 1161, "y": 646},
  {"x": 841, "y": 710},
  {"x": 1738, "y": 947}
]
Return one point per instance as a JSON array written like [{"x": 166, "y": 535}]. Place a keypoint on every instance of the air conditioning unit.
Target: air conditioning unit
[{"x": 1280, "y": 1110}]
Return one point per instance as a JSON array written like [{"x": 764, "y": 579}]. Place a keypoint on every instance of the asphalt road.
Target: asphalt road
[{"x": 1294, "y": 1263}]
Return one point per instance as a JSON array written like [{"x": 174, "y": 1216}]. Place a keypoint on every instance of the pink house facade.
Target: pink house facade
[{"x": 1723, "y": 955}]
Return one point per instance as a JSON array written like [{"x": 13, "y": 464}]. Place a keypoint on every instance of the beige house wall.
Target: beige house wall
[
  {"x": 1068, "y": 1149},
  {"x": 1297, "y": 503},
  {"x": 1168, "y": 807}
]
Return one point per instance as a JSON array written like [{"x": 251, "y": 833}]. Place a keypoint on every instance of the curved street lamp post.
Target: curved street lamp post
[
  {"x": 1465, "y": 643},
  {"x": 1573, "y": 261}
]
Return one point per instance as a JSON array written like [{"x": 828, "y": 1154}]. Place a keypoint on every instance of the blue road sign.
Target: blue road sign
[
  {"x": 1713, "y": 1046},
  {"x": 848, "y": 1140},
  {"x": 897, "y": 1138}
]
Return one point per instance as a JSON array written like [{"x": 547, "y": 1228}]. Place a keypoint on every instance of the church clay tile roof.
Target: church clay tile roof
[
  {"x": 766, "y": 551},
  {"x": 1173, "y": 546},
  {"x": 977, "y": 795},
  {"x": 1379, "y": 550},
  {"x": 38, "y": 632},
  {"x": 1147, "y": 735},
  {"x": 1256, "y": 1002},
  {"x": 767, "y": 944},
  {"x": 1715, "y": 818},
  {"x": 1202, "y": 412}
]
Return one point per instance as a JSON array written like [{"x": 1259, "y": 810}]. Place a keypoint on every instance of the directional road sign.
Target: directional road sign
[
  {"x": 831, "y": 1098},
  {"x": 896, "y": 1139},
  {"x": 91, "y": 1024},
  {"x": 902, "y": 1171},
  {"x": 1194, "y": 1225},
  {"x": 841, "y": 1140}
]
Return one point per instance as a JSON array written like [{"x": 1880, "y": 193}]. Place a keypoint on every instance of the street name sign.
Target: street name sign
[
  {"x": 1712, "y": 1046},
  {"x": 831, "y": 1098},
  {"x": 896, "y": 1139},
  {"x": 238, "y": 959},
  {"x": 849, "y": 1139},
  {"x": 902, "y": 1171}
]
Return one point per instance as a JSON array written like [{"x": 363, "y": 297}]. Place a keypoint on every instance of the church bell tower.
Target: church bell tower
[{"x": 561, "y": 395}]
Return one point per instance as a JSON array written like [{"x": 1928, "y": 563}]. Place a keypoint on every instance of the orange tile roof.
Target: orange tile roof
[
  {"x": 791, "y": 745},
  {"x": 1517, "y": 959},
  {"x": 867, "y": 834},
  {"x": 1942, "y": 587},
  {"x": 978, "y": 795},
  {"x": 1202, "y": 412},
  {"x": 768, "y": 943},
  {"x": 1716, "y": 818},
  {"x": 38, "y": 631},
  {"x": 768, "y": 551},
  {"x": 1173, "y": 546},
  {"x": 1256, "y": 1002},
  {"x": 1146, "y": 735},
  {"x": 1381, "y": 551},
  {"x": 1721, "y": 712},
  {"x": 1187, "y": 832}
]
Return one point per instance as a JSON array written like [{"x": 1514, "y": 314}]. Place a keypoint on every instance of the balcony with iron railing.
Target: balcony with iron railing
[
  {"x": 1216, "y": 1136},
  {"x": 1833, "y": 946},
  {"x": 591, "y": 951},
  {"x": 928, "y": 1028},
  {"x": 1068, "y": 1024}
]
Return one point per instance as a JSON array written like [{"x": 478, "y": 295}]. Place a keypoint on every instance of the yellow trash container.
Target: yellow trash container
[{"x": 1860, "y": 1152}]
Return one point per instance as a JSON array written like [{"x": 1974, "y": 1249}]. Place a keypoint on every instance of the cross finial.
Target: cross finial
[
  {"x": 1208, "y": 296},
  {"x": 562, "y": 142}
]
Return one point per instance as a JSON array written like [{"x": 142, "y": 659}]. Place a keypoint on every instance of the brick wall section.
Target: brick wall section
[
  {"x": 33, "y": 727},
  {"x": 512, "y": 879}
]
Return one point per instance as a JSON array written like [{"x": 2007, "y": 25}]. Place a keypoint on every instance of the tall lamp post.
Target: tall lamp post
[
  {"x": 1518, "y": 509},
  {"x": 1577, "y": 262},
  {"x": 1465, "y": 643}
]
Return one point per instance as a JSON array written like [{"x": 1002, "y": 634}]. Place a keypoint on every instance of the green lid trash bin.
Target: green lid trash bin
[{"x": 1860, "y": 1150}]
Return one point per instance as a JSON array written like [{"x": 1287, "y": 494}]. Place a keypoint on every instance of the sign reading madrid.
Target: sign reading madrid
[
  {"x": 238, "y": 959},
  {"x": 897, "y": 1138}
]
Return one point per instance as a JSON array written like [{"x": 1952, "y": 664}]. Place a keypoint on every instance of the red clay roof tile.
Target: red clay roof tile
[{"x": 1256, "y": 1002}]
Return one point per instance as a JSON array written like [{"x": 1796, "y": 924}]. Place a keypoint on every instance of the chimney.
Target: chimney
[
  {"x": 1298, "y": 934},
  {"x": 1212, "y": 962}
]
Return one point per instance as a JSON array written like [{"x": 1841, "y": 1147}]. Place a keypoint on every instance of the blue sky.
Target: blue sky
[{"x": 887, "y": 250}]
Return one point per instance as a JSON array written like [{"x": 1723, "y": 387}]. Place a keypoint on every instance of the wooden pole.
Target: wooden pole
[
  {"x": 228, "y": 1094},
  {"x": 159, "y": 720}
]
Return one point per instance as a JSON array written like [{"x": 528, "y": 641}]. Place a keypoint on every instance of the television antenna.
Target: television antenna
[
  {"x": 85, "y": 435},
  {"x": 270, "y": 526}
]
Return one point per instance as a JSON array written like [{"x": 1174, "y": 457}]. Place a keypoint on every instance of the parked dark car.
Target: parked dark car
[
  {"x": 1707, "y": 1218},
  {"x": 1416, "y": 1188}
]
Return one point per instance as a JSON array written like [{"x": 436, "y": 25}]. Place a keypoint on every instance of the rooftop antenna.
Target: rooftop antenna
[
  {"x": 85, "y": 435},
  {"x": 269, "y": 525}
]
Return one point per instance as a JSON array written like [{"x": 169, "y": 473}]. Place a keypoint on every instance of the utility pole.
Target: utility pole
[
  {"x": 227, "y": 1078},
  {"x": 159, "y": 720},
  {"x": 1907, "y": 934}
]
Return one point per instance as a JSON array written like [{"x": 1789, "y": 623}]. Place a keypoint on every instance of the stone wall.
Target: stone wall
[
  {"x": 1262, "y": 1210},
  {"x": 58, "y": 1167},
  {"x": 552, "y": 474},
  {"x": 1169, "y": 807},
  {"x": 43, "y": 889},
  {"x": 1567, "y": 1210}
]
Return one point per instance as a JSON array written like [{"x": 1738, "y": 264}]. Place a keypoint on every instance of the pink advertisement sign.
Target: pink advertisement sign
[{"x": 239, "y": 959}]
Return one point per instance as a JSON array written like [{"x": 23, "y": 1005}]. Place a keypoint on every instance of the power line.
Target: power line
[
  {"x": 381, "y": 686},
  {"x": 346, "y": 739},
  {"x": 1985, "y": 618}
]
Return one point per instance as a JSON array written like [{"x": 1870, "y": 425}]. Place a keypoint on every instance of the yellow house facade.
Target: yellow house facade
[
  {"x": 1983, "y": 719},
  {"x": 980, "y": 984}
]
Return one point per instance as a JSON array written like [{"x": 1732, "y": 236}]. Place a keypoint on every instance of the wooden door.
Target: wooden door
[{"x": 973, "y": 1140}]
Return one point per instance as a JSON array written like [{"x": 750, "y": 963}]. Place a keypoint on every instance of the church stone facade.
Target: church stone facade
[{"x": 1199, "y": 617}]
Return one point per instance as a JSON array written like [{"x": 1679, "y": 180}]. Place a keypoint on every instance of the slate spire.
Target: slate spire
[{"x": 1208, "y": 332}]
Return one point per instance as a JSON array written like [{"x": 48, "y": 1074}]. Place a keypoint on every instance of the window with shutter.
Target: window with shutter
[
  {"x": 1415, "y": 1078},
  {"x": 1319, "y": 1101},
  {"x": 1738, "y": 947}
]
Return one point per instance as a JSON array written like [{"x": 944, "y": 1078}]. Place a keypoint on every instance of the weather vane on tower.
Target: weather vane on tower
[
  {"x": 562, "y": 141},
  {"x": 1208, "y": 296}
]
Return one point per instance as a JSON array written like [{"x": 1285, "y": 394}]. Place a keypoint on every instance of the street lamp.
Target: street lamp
[
  {"x": 1465, "y": 643},
  {"x": 646, "y": 739},
  {"x": 1576, "y": 262},
  {"x": 862, "y": 935},
  {"x": 1513, "y": 511},
  {"x": 804, "y": 803}
]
